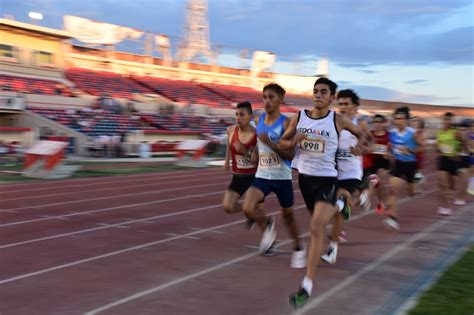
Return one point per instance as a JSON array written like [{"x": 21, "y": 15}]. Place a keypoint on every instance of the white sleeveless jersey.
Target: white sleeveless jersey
[
  {"x": 349, "y": 166},
  {"x": 316, "y": 155}
]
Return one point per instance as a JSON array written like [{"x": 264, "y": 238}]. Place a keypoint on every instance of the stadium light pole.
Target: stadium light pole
[{"x": 35, "y": 17}]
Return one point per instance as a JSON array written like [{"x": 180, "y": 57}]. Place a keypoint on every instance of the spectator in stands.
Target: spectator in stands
[
  {"x": 115, "y": 145},
  {"x": 3, "y": 152},
  {"x": 58, "y": 89},
  {"x": 104, "y": 141},
  {"x": 91, "y": 147}
]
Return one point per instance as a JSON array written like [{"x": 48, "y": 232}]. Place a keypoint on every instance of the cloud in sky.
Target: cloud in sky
[
  {"x": 367, "y": 71},
  {"x": 416, "y": 81}
]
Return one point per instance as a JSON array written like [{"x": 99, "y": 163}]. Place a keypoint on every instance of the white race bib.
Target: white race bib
[
  {"x": 343, "y": 155},
  {"x": 379, "y": 149},
  {"x": 446, "y": 149},
  {"x": 313, "y": 146},
  {"x": 243, "y": 162},
  {"x": 269, "y": 160}
]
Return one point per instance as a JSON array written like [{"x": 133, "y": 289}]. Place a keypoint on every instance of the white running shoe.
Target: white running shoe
[
  {"x": 268, "y": 237},
  {"x": 419, "y": 177},
  {"x": 444, "y": 211},
  {"x": 391, "y": 223},
  {"x": 330, "y": 255},
  {"x": 298, "y": 258},
  {"x": 459, "y": 202}
]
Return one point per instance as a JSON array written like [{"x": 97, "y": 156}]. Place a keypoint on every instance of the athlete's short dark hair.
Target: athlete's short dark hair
[
  {"x": 275, "y": 88},
  {"x": 349, "y": 94},
  {"x": 332, "y": 85},
  {"x": 381, "y": 117},
  {"x": 404, "y": 111},
  {"x": 245, "y": 105}
]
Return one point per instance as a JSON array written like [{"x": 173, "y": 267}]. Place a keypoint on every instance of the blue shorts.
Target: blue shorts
[{"x": 283, "y": 189}]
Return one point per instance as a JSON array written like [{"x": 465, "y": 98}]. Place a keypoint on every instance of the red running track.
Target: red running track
[{"x": 161, "y": 244}]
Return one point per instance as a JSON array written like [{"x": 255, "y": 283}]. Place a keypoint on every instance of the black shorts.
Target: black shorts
[
  {"x": 448, "y": 164},
  {"x": 380, "y": 163},
  {"x": 317, "y": 188},
  {"x": 241, "y": 182},
  {"x": 464, "y": 161},
  {"x": 351, "y": 185},
  {"x": 404, "y": 170}
]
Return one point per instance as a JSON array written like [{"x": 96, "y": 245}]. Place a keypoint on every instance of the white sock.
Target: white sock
[
  {"x": 340, "y": 205},
  {"x": 307, "y": 284},
  {"x": 333, "y": 244}
]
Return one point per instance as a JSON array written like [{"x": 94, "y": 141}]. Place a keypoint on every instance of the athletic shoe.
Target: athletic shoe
[
  {"x": 268, "y": 237},
  {"x": 459, "y": 202},
  {"x": 391, "y": 223},
  {"x": 346, "y": 210},
  {"x": 330, "y": 255},
  {"x": 444, "y": 211},
  {"x": 250, "y": 224},
  {"x": 271, "y": 251},
  {"x": 419, "y": 178},
  {"x": 298, "y": 258},
  {"x": 365, "y": 201},
  {"x": 299, "y": 298}
]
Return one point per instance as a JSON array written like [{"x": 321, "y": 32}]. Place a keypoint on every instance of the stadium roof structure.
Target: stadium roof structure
[{"x": 30, "y": 29}]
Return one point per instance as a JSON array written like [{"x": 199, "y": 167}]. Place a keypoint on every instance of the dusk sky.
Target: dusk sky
[{"x": 418, "y": 51}]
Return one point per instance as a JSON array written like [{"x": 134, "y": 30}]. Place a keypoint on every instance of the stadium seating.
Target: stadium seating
[
  {"x": 31, "y": 85},
  {"x": 101, "y": 83},
  {"x": 183, "y": 91},
  {"x": 105, "y": 123}
]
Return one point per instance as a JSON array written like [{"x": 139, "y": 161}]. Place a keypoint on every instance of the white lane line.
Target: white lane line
[
  {"x": 110, "y": 254},
  {"x": 143, "y": 220},
  {"x": 412, "y": 300},
  {"x": 100, "y": 180},
  {"x": 72, "y": 192},
  {"x": 211, "y": 269},
  {"x": 113, "y": 197},
  {"x": 186, "y": 278},
  {"x": 92, "y": 212},
  {"x": 53, "y": 217},
  {"x": 113, "y": 225},
  {"x": 391, "y": 253},
  {"x": 126, "y": 250}
]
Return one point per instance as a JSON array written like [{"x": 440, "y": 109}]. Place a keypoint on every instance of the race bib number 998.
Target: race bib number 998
[{"x": 315, "y": 146}]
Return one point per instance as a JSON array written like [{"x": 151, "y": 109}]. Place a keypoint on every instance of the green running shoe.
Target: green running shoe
[{"x": 299, "y": 298}]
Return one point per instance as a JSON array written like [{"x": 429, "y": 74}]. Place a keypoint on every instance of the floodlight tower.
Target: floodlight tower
[
  {"x": 196, "y": 33},
  {"x": 323, "y": 68}
]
